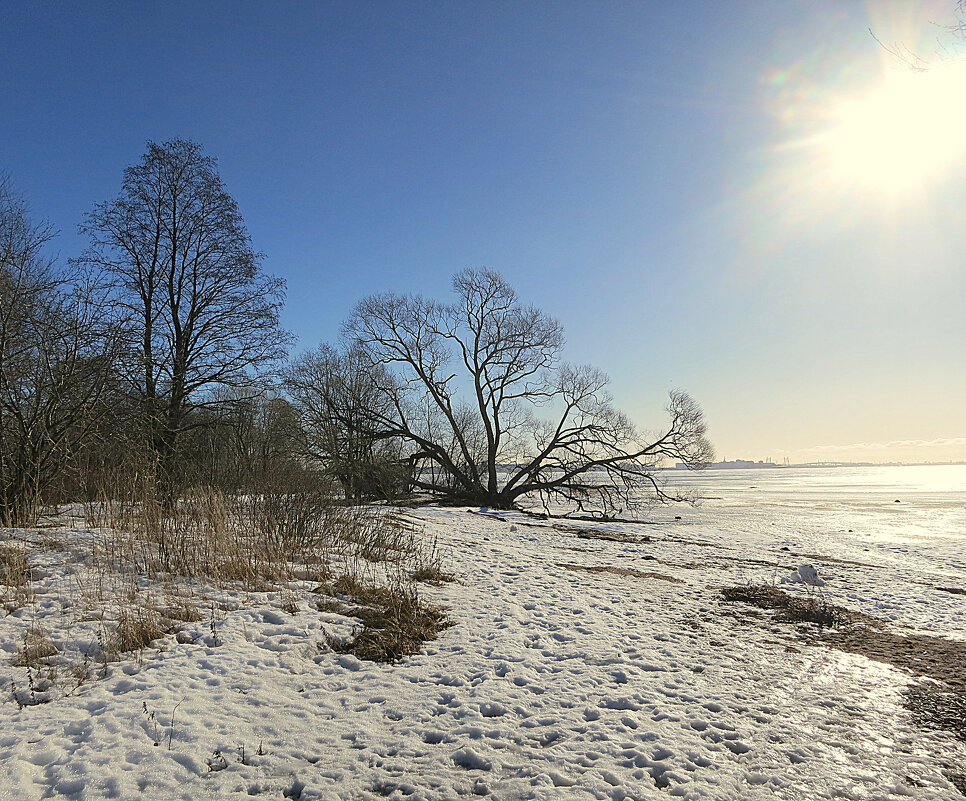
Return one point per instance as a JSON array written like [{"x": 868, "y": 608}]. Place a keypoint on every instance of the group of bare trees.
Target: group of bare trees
[
  {"x": 159, "y": 353},
  {"x": 57, "y": 349},
  {"x": 165, "y": 322},
  {"x": 459, "y": 389}
]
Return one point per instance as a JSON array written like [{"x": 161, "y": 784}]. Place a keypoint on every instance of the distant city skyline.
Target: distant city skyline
[{"x": 756, "y": 202}]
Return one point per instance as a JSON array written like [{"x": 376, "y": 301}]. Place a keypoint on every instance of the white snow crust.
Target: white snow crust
[{"x": 554, "y": 682}]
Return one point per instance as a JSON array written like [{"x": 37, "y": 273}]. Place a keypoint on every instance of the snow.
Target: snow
[
  {"x": 629, "y": 680},
  {"x": 804, "y": 574}
]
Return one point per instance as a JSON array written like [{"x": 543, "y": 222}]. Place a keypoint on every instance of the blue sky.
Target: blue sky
[{"x": 656, "y": 175}]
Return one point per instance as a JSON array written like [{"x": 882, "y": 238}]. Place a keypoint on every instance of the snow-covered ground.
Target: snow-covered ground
[{"x": 628, "y": 680}]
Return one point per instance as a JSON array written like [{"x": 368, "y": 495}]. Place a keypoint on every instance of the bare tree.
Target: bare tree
[
  {"x": 56, "y": 360},
  {"x": 202, "y": 314},
  {"x": 462, "y": 383}
]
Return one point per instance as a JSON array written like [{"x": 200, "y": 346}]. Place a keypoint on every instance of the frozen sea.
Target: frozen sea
[{"x": 910, "y": 521}]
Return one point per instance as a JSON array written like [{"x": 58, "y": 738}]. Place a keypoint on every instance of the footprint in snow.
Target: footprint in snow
[
  {"x": 492, "y": 709},
  {"x": 469, "y": 759},
  {"x": 217, "y": 762}
]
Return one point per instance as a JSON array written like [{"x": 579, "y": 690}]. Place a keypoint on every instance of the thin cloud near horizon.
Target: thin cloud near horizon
[{"x": 901, "y": 443}]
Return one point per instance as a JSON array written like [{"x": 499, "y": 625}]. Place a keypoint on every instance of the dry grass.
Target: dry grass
[
  {"x": 290, "y": 527},
  {"x": 432, "y": 574},
  {"x": 375, "y": 536},
  {"x": 14, "y": 568},
  {"x": 395, "y": 621},
  {"x": 15, "y": 592},
  {"x": 271, "y": 541},
  {"x": 332, "y": 605},
  {"x": 792, "y": 609},
  {"x": 205, "y": 534},
  {"x": 359, "y": 590},
  {"x": 182, "y": 609},
  {"x": 428, "y": 566},
  {"x": 36, "y": 649},
  {"x": 137, "y": 628}
]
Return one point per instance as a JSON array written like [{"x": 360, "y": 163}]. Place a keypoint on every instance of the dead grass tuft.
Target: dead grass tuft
[
  {"x": 136, "y": 629},
  {"x": 37, "y": 647},
  {"x": 333, "y": 606},
  {"x": 792, "y": 609},
  {"x": 428, "y": 566},
  {"x": 432, "y": 575},
  {"x": 183, "y": 610},
  {"x": 360, "y": 591},
  {"x": 390, "y": 633},
  {"x": 291, "y": 605},
  {"x": 395, "y": 620},
  {"x": 14, "y": 569},
  {"x": 15, "y": 590}
]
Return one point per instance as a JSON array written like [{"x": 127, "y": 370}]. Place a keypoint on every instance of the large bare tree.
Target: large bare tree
[
  {"x": 463, "y": 383},
  {"x": 201, "y": 313},
  {"x": 57, "y": 348}
]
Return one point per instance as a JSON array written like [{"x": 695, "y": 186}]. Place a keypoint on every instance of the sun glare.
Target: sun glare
[{"x": 904, "y": 135}]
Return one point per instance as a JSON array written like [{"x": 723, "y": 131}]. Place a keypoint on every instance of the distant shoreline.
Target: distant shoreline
[{"x": 743, "y": 465}]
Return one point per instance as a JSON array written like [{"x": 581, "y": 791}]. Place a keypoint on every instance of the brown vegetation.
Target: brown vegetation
[
  {"x": 395, "y": 621},
  {"x": 37, "y": 647},
  {"x": 792, "y": 609},
  {"x": 137, "y": 628}
]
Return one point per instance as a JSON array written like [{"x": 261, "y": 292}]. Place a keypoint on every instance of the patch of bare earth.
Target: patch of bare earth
[
  {"x": 923, "y": 655},
  {"x": 610, "y": 536},
  {"x": 620, "y": 571},
  {"x": 937, "y": 701},
  {"x": 936, "y": 704}
]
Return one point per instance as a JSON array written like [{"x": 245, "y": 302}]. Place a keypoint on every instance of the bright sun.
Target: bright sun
[{"x": 904, "y": 135}]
